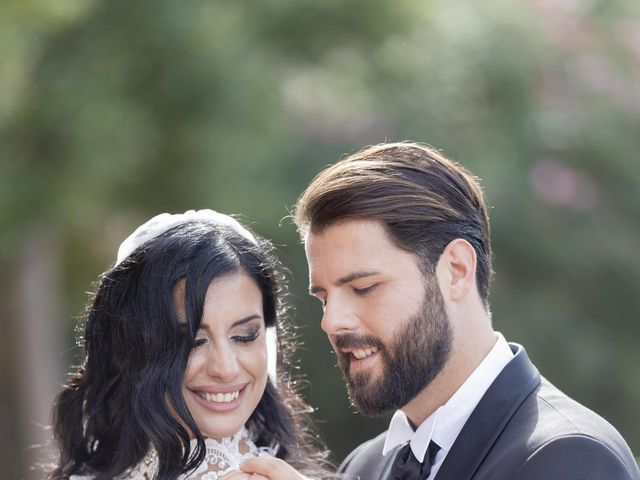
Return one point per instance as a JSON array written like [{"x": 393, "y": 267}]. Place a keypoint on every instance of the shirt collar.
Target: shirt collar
[{"x": 444, "y": 425}]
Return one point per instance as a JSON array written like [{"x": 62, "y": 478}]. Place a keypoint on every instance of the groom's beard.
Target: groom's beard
[{"x": 415, "y": 355}]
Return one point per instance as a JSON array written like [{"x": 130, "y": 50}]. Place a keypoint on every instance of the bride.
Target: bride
[{"x": 180, "y": 378}]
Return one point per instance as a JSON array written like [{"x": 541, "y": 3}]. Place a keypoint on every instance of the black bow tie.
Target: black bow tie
[{"x": 407, "y": 467}]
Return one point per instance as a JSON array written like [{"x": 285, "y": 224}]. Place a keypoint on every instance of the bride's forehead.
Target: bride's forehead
[{"x": 228, "y": 298}]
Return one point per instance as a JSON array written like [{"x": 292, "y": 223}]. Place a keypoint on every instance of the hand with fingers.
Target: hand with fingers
[
  {"x": 267, "y": 468},
  {"x": 236, "y": 475}
]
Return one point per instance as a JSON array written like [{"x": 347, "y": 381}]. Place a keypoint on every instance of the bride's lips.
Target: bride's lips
[{"x": 230, "y": 397}]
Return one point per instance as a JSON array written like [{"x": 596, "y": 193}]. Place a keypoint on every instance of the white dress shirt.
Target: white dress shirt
[{"x": 444, "y": 425}]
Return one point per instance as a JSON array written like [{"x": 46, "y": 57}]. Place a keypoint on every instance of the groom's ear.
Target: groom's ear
[{"x": 456, "y": 270}]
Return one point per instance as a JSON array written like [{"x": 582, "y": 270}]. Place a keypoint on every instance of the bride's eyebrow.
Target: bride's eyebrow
[
  {"x": 237, "y": 323},
  {"x": 246, "y": 320}
]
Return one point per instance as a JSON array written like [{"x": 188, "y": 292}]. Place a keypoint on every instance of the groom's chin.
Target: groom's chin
[
  {"x": 366, "y": 395},
  {"x": 370, "y": 405}
]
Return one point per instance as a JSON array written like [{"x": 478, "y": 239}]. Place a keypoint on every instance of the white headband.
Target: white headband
[{"x": 166, "y": 221}]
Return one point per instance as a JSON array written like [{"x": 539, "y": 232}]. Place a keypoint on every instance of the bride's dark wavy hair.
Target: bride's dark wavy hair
[{"x": 126, "y": 396}]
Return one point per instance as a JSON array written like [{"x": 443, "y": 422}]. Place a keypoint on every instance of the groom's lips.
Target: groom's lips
[
  {"x": 359, "y": 358},
  {"x": 360, "y": 353}
]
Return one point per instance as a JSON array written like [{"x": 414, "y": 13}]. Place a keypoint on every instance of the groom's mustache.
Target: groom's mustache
[{"x": 353, "y": 341}]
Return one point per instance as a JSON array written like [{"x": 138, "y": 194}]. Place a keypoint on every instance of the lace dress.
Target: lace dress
[{"x": 221, "y": 457}]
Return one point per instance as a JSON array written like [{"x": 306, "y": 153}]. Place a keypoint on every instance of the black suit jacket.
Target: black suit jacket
[{"x": 523, "y": 428}]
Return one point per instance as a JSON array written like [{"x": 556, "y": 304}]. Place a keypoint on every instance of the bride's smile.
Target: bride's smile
[{"x": 227, "y": 369}]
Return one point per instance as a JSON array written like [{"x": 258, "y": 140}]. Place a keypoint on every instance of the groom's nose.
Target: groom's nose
[{"x": 338, "y": 318}]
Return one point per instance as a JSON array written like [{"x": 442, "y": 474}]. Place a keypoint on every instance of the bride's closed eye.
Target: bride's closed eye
[
  {"x": 200, "y": 341},
  {"x": 249, "y": 337}
]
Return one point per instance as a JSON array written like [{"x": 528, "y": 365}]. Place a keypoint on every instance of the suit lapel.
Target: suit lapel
[{"x": 505, "y": 395}]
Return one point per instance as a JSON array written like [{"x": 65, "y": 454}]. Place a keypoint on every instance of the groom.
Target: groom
[{"x": 397, "y": 241}]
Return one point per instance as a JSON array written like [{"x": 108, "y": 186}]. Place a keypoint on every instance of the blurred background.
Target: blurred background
[{"x": 113, "y": 111}]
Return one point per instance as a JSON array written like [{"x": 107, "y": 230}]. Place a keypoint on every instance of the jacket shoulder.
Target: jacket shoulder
[
  {"x": 363, "y": 457},
  {"x": 552, "y": 435},
  {"x": 577, "y": 456}
]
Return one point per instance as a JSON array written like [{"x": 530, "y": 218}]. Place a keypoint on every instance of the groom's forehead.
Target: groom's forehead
[
  {"x": 353, "y": 249},
  {"x": 345, "y": 242}
]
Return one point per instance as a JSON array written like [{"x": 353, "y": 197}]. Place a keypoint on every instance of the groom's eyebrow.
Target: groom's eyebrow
[{"x": 346, "y": 279}]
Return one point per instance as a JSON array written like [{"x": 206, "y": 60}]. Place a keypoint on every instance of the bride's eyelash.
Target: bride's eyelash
[
  {"x": 236, "y": 338},
  {"x": 247, "y": 338},
  {"x": 199, "y": 341}
]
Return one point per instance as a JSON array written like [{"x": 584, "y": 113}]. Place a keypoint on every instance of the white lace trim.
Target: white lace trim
[{"x": 221, "y": 457}]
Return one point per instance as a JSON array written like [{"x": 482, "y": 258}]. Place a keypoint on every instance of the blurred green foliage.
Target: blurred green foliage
[{"x": 113, "y": 111}]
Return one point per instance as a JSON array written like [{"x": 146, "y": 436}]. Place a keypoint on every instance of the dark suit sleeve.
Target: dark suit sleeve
[{"x": 576, "y": 457}]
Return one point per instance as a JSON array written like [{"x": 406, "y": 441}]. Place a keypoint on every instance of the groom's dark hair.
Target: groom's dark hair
[{"x": 423, "y": 200}]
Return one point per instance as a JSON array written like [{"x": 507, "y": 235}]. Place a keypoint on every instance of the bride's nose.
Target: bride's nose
[{"x": 222, "y": 363}]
